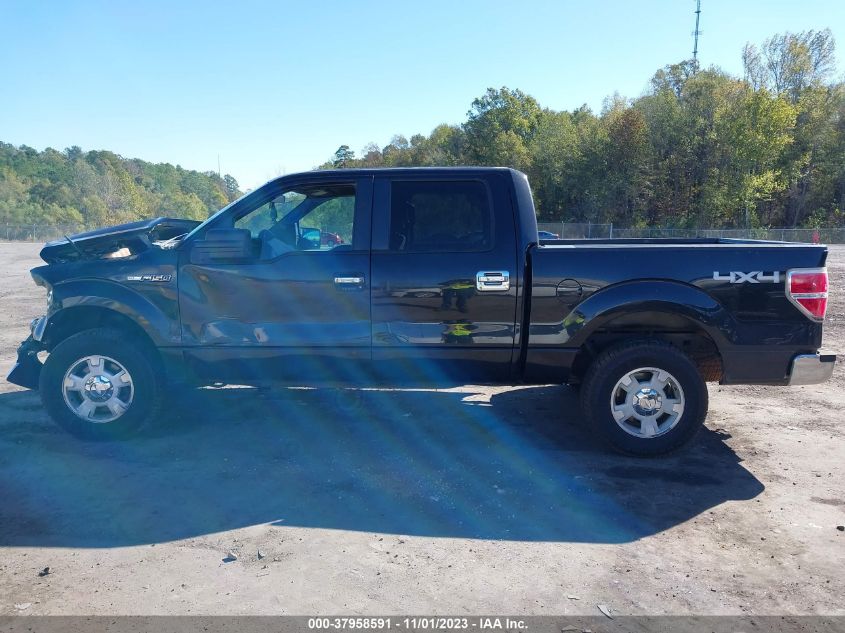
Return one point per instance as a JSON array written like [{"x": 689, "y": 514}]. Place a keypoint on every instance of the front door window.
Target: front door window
[{"x": 308, "y": 218}]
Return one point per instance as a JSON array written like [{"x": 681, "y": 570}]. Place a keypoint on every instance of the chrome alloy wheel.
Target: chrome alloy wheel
[
  {"x": 647, "y": 402},
  {"x": 98, "y": 389}
]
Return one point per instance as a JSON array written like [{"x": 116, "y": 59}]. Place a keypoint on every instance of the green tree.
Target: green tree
[
  {"x": 343, "y": 157},
  {"x": 231, "y": 185},
  {"x": 500, "y": 126},
  {"x": 789, "y": 63},
  {"x": 99, "y": 188},
  {"x": 555, "y": 154},
  {"x": 753, "y": 129}
]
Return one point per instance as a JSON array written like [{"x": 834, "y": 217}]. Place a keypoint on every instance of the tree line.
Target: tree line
[
  {"x": 100, "y": 188},
  {"x": 699, "y": 149}
]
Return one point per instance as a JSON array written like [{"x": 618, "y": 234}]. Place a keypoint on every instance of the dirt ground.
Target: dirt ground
[{"x": 470, "y": 500}]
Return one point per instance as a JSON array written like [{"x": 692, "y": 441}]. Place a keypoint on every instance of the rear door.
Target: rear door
[{"x": 443, "y": 277}]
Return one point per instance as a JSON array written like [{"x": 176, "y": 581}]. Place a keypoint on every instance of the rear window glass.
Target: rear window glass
[{"x": 450, "y": 216}]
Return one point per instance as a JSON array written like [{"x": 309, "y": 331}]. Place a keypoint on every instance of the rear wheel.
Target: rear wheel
[
  {"x": 97, "y": 385},
  {"x": 644, "y": 397}
]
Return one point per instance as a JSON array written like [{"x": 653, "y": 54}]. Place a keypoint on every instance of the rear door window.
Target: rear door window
[{"x": 440, "y": 216}]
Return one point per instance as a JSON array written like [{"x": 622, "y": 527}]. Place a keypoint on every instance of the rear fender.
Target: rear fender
[{"x": 671, "y": 298}]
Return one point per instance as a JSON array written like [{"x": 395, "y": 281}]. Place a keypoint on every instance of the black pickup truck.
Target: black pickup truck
[{"x": 428, "y": 276}]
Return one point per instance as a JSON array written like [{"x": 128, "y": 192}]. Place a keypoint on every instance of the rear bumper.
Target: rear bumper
[
  {"x": 27, "y": 370},
  {"x": 811, "y": 369}
]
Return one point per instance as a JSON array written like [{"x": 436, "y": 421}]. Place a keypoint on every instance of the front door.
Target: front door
[
  {"x": 444, "y": 282},
  {"x": 299, "y": 307}
]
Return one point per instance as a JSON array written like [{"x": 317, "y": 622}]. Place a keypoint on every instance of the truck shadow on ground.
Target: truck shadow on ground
[{"x": 518, "y": 466}]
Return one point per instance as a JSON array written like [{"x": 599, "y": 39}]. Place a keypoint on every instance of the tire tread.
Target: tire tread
[
  {"x": 82, "y": 343},
  {"x": 605, "y": 362}
]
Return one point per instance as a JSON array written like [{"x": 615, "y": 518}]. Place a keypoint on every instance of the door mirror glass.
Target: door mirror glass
[{"x": 309, "y": 239}]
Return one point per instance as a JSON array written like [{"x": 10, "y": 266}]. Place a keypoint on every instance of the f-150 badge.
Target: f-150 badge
[
  {"x": 754, "y": 277},
  {"x": 149, "y": 278}
]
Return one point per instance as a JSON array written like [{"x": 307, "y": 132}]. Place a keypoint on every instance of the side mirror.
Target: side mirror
[
  {"x": 309, "y": 239},
  {"x": 221, "y": 245}
]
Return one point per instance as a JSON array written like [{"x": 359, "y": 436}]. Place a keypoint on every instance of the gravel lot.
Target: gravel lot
[{"x": 470, "y": 500}]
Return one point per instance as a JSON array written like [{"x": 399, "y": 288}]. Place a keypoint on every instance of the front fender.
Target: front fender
[
  {"x": 153, "y": 307},
  {"x": 669, "y": 297}
]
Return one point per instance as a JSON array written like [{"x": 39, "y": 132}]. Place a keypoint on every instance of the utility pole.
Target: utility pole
[
  {"x": 696, "y": 32},
  {"x": 218, "y": 166}
]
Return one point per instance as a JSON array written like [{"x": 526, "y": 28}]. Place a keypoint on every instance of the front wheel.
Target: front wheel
[
  {"x": 97, "y": 385},
  {"x": 644, "y": 397}
]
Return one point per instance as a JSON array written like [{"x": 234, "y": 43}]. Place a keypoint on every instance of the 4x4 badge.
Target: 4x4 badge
[
  {"x": 149, "y": 278},
  {"x": 754, "y": 277}
]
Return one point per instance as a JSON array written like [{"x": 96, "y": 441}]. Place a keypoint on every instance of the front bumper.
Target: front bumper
[
  {"x": 27, "y": 370},
  {"x": 811, "y": 369}
]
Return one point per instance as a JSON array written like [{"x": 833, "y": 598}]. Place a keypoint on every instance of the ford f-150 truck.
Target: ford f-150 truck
[{"x": 433, "y": 275}]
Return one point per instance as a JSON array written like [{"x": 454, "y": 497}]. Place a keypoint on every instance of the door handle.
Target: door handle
[
  {"x": 349, "y": 280},
  {"x": 487, "y": 280}
]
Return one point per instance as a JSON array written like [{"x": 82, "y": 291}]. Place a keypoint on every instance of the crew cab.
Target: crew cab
[{"x": 431, "y": 276}]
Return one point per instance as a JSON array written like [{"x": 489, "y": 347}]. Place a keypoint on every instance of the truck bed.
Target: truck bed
[
  {"x": 664, "y": 241},
  {"x": 732, "y": 289}
]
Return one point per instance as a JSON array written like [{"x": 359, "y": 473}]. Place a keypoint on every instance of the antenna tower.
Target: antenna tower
[{"x": 696, "y": 32}]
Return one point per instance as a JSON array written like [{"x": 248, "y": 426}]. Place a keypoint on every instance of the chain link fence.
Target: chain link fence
[
  {"x": 819, "y": 236},
  {"x": 46, "y": 233},
  {"x": 588, "y": 230},
  {"x": 563, "y": 230},
  {"x": 577, "y": 230}
]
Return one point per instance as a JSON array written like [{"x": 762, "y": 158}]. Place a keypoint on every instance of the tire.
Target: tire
[
  {"x": 101, "y": 373},
  {"x": 644, "y": 398}
]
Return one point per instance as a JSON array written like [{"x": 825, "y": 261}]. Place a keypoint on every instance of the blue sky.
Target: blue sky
[{"x": 276, "y": 87}]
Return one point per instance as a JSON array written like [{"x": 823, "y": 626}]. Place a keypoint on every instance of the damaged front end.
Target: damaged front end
[
  {"x": 103, "y": 256},
  {"x": 116, "y": 242},
  {"x": 27, "y": 369}
]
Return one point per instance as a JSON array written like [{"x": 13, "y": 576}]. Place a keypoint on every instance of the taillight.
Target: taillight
[{"x": 807, "y": 289}]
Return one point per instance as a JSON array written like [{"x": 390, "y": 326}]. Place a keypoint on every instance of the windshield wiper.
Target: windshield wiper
[
  {"x": 170, "y": 242},
  {"x": 75, "y": 246}
]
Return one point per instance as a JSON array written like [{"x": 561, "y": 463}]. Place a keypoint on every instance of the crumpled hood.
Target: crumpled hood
[{"x": 135, "y": 236}]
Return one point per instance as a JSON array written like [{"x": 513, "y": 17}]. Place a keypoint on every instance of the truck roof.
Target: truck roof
[{"x": 399, "y": 171}]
